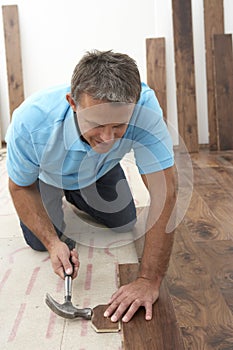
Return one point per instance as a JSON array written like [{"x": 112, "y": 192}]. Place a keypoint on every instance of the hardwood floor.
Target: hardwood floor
[
  {"x": 200, "y": 275},
  {"x": 199, "y": 281}
]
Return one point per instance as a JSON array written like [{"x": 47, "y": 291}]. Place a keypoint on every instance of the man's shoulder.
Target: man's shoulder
[
  {"x": 147, "y": 96},
  {"x": 43, "y": 107},
  {"x": 148, "y": 99}
]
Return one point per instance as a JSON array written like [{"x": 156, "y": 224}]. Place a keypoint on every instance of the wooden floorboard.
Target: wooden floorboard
[
  {"x": 223, "y": 68},
  {"x": 185, "y": 73},
  {"x": 199, "y": 280},
  {"x": 156, "y": 70},
  {"x": 208, "y": 338},
  {"x": 13, "y": 56},
  {"x": 201, "y": 221},
  {"x": 162, "y": 332},
  {"x": 214, "y": 23},
  {"x": 218, "y": 257}
]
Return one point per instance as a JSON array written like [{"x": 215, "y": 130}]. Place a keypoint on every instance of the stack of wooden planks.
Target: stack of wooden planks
[
  {"x": 13, "y": 56},
  {"x": 219, "y": 74}
]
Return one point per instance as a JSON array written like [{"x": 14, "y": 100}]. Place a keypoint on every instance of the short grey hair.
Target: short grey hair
[{"x": 108, "y": 76}]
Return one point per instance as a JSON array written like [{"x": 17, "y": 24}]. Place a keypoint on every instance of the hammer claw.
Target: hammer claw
[{"x": 67, "y": 310}]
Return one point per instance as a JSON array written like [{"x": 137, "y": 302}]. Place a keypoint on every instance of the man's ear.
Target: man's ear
[{"x": 71, "y": 101}]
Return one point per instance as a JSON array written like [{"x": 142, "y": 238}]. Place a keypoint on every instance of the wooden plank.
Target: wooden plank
[
  {"x": 196, "y": 298},
  {"x": 185, "y": 73},
  {"x": 156, "y": 70},
  {"x": 13, "y": 56},
  {"x": 162, "y": 332},
  {"x": 221, "y": 175},
  {"x": 208, "y": 338},
  {"x": 223, "y": 69},
  {"x": 103, "y": 324},
  {"x": 220, "y": 203},
  {"x": 214, "y": 24},
  {"x": 201, "y": 221},
  {"x": 218, "y": 258}
]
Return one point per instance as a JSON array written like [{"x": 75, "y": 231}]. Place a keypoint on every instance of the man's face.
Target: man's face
[{"x": 102, "y": 123}]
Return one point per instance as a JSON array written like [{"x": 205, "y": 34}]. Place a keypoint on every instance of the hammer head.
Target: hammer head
[{"x": 67, "y": 310}]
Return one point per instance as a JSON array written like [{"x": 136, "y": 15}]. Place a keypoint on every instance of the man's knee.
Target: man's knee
[
  {"x": 125, "y": 228},
  {"x": 123, "y": 221},
  {"x": 31, "y": 239}
]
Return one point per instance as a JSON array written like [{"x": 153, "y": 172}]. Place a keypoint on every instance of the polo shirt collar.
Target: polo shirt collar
[{"x": 71, "y": 134}]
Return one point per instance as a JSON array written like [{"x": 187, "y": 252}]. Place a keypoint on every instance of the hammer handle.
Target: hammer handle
[
  {"x": 66, "y": 274},
  {"x": 68, "y": 288},
  {"x": 68, "y": 283}
]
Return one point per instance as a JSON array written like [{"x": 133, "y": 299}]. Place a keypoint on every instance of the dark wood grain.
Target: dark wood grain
[
  {"x": 214, "y": 24},
  {"x": 223, "y": 69},
  {"x": 13, "y": 56},
  {"x": 218, "y": 258},
  {"x": 156, "y": 70},
  {"x": 196, "y": 298},
  {"x": 201, "y": 221},
  {"x": 199, "y": 279},
  {"x": 217, "y": 337},
  {"x": 220, "y": 203},
  {"x": 103, "y": 324},
  {"x": 162, "y": 332},
  {"x": 185, "y": 73}
]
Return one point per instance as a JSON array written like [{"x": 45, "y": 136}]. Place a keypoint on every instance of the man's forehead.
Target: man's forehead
[{"x": 106, "y": 112}]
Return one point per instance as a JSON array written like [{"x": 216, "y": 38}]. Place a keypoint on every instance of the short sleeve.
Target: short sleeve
[
  {"x": 22, "y": 164},
  {"x": 153, "y": 147}
]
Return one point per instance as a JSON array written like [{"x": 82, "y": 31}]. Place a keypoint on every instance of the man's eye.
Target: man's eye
[
  {"x": 119, "y": 126},
  {"x": 98, "y": 126}
]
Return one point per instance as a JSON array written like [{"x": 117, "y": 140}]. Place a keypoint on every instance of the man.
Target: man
[{"x": 69, "y": 142}]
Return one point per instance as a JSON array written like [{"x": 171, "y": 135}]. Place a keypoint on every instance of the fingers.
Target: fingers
[
  {"x": 72, "y": 269},
  {"x": 129, "y": 298},
  {"x": 148, "y": 307},
  {"x": 75, "y": 261},
  {"x": 61, "y": 258},
  {"x": 131, "y": 308}
]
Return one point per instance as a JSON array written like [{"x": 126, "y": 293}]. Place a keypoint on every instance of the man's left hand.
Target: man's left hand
[{"x": 141, "y": 292}]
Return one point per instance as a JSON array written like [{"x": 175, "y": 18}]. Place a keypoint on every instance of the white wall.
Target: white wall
[{"x": 56, "y": 33}]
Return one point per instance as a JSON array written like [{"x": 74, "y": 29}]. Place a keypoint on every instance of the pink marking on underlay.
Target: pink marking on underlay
[
  {"x": 11, "y": 257},
  {"x": 91, "y": 249},
  {"x": 84, "y": 327},
  {"x": 107, "y": 251},
  {"x": 60, "y": 285},
  {"x": 32, "y": 280},
  {"x": 5, "y": 278},
  {"x": 17, "y": 323},
  {"x": 87, "y": 285},
  {"x": 46, "y": 259},
  {"x": 84, "y": 323},
  {"x": 116, "y": 275},
  {"x": 51, "y": 325}
]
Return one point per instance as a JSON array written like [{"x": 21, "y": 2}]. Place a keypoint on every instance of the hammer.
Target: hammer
[
  {"x": 67, "y": 309},
  {"x": 100, "y": 323}
]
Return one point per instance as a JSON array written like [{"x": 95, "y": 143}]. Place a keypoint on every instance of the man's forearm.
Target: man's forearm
[
  {"x": 158, "y": 242},
  {"x": 156, "y": 254},
  {"x": 30, "y": 209}
]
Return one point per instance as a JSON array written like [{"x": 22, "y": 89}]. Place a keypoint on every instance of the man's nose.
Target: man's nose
[{"x": 107, "y": 134}]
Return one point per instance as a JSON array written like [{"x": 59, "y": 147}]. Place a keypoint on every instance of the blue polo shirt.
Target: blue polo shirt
[{"x": 43, "y": 142}]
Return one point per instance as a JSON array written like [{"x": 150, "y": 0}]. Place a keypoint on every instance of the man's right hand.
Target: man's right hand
[{"x": 60, "y": 256}]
